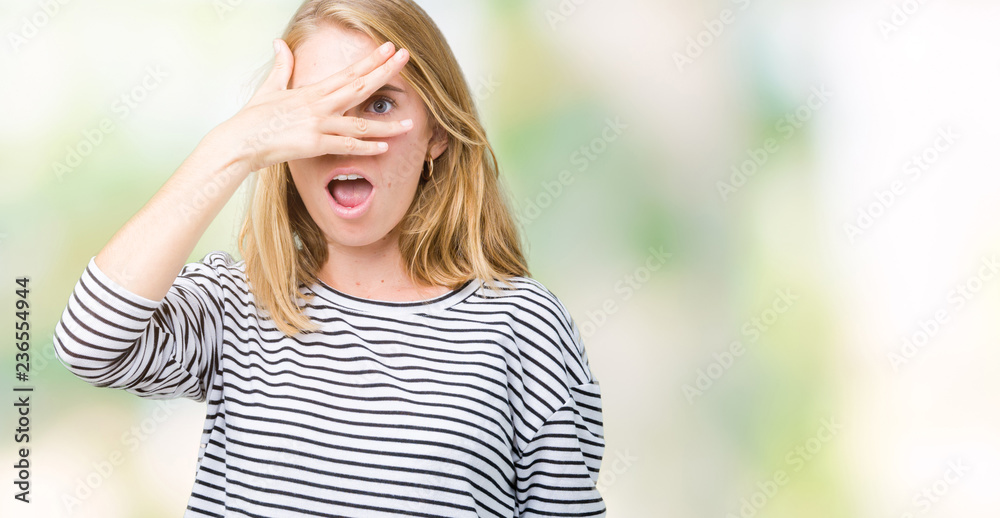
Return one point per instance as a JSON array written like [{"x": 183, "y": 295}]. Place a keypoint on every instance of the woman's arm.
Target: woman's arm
[
  {"x": 133, "y": 321},
  {"x": 558, "y": 413},
  {"x": 111, "y": 337},
  {"x": 147, "y": 253},
  {"x": 557, "y": 473}
]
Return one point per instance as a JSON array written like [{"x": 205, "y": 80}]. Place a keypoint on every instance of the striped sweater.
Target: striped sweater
[{"x": 473, "y": 403}]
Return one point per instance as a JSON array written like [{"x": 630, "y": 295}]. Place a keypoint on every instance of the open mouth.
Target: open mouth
[{"x": 350, "y": 194}]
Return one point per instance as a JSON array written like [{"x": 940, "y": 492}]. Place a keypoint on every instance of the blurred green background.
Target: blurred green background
[{"x": 754, "y": 210}]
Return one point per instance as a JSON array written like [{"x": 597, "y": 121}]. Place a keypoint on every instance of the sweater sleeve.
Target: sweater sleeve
[
  {"x": 111, "y": 337},
  {"x": 559, "y": 455},
  {"x": 557, "y": 472}
]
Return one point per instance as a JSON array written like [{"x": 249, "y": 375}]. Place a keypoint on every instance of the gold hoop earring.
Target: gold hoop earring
[{"x": 430, "y": 168}]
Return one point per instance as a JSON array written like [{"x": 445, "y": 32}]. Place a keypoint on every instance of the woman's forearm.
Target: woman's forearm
[{"x": 147, "y": 253}]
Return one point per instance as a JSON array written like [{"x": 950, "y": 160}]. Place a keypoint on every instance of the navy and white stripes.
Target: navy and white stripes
[{"x": 474, "y": 403}]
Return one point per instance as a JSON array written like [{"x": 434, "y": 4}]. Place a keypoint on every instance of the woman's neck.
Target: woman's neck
[{"x": 376, "y": 271}]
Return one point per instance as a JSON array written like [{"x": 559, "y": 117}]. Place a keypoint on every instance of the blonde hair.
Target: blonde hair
[{"x": 458, "y": 226}]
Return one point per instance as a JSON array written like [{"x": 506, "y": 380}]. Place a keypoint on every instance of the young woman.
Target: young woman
[{"x": 380, "y": 349}]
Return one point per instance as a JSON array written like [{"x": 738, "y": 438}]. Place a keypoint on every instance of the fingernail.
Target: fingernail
[
  {"x": 383, "y": 146},
  {"x": 408, "y": 123},
  {"x": 386, "y": 48},
  {"x": 277, "y": 48},
  {"x": 400, "y": 55}
]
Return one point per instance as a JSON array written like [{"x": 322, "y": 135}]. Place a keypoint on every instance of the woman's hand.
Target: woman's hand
[{"x": 278, "y": 124}]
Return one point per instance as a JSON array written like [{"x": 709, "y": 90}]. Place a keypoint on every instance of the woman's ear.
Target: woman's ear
[{"x": 438, "y": 142}]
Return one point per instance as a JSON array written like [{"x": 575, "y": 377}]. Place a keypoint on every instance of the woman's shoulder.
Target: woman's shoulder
[
  {"x": 542, "y": 324},
  {"x": 549, "y": 367},
  {"x": 529, "y": 294}
]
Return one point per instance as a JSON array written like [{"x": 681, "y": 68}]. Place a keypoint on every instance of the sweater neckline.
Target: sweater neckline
[{"x": 440, "y": 302}]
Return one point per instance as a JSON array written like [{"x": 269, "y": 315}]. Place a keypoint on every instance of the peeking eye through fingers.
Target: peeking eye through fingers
[
  {"x": 360, "y": 80},
  {"x": 354, "y": 104},
  {"x": 363, "y": 87}
]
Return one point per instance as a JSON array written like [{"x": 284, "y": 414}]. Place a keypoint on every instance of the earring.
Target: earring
[{"x": 430, "y": 168}]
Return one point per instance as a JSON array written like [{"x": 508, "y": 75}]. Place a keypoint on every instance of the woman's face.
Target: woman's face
[{"x": 393, "y": 174}]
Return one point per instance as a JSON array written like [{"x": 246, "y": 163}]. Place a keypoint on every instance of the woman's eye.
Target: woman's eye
[{"x": 382, "y": 105}]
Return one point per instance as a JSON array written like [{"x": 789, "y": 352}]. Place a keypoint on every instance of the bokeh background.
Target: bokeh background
[{"x": 775, "y": 222}]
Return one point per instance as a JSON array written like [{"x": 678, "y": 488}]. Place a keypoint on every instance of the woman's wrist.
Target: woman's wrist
[{"x": 228, "y": 156}]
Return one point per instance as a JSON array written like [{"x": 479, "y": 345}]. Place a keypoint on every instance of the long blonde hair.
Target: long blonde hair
[{"x": 458, "y": 226}]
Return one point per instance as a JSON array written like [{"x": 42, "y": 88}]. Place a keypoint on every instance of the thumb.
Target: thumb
[{"x": 281, "y": 72}]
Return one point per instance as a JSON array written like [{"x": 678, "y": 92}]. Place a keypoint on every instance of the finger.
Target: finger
[
  {"x": 359, "y": 127},
  {"x": 281, "y": 72},
  {"x": 357, "y": 69},
  {"x": 341, "y": 145},
  {"x": 363, "y": 87}
]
